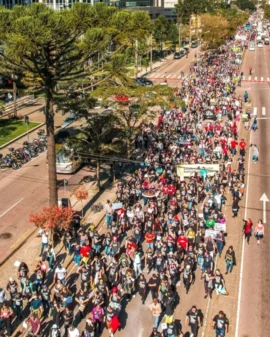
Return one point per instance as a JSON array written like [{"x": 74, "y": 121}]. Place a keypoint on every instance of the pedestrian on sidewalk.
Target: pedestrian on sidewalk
[
  {"x": 259, "y": 231},
  {"x": 156, "y": 312},
  {"x": 109, "y": 214},
  {"x": 230, "y": 259},
  {"x": 44, "y": 241},
  {"x": 221, "y": 324},
  {"x": 247, "y": 229}
]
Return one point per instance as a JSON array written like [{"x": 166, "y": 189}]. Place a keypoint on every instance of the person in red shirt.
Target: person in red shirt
[
  {"x": 233, "y": 147},
  {"x": 242, "y": 146},
  {"x": 247, "y": 229},
  {"x": 182, "y": 241},
  {"x": 85, "y": 251},
  {"x": 149, "y": 238}
]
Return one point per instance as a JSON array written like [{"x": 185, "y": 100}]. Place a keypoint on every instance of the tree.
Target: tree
[
  {"x": 245, "y": 4},
  {"x": 49, "y": 45},
  {"x": 214, "y": 30},
  {"x": 52, "y": 218},
  {"x": 141, "y": 104},
  {"x": 267, "y": 12},
  {"x": 161, "y": 29},
  {"x": 185, "y": 8},
  {"x": 81, "y": 194}
]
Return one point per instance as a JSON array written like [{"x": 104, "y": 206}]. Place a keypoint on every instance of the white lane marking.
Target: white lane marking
[
  {"x": 249, "y": 78},
  {"x": 208, "y": 307},
  {"x": 179, "y": 76},
  {"x": 173, "y": 76},
  {"x": 255, "y": 78},
  {"x": 268, "y": 79},
  {"x": 243, "y": 78},
  {"x": 243, "y": 252},
  {"x": 10, "y": 208},
  {"x": 255, "y": 111},
  {"x": 261, "y": 78},
  {"x": 263, "y": 111}
]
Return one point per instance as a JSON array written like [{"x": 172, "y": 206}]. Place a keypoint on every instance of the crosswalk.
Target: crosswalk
[
  {"x": 259, "y": 111},
  {"x": 261, "y": 79},
  {"x": 170, "y": 76}
]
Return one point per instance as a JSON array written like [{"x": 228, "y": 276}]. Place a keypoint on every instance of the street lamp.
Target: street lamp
[{"x": 14, "y": 79}]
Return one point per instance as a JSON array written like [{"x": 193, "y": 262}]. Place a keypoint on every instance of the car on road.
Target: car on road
[
  {"x": 251, "y": 47},
  {"x": 70, "y": 119},
  {"x": 266, "y": 41},
  {"x": 177, "y": 55},
  {"x": 195, "y": 44},
  {"x": 143, "y": 81},
  {"x": 259, "y": 44}
]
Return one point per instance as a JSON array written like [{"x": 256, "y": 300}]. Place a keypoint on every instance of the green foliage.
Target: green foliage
[
  {"x": 245, "y": 4},
  {"x": 185, "y": 8},
  {"x": 267, "y": 12}
]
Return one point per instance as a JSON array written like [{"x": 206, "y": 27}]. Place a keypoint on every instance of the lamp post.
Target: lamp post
[{"x": 14, "y": 78}]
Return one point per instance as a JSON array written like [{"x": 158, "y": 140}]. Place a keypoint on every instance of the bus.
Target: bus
[{"x": 66, "y": 163}]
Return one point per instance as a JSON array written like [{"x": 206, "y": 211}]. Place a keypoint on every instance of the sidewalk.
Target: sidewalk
[{"x": 156, "y": 65}]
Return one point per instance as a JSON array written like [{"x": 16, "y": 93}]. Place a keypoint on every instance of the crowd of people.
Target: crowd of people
[{"x": 167, "y": 222}]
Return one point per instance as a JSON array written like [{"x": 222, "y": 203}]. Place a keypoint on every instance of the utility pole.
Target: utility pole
[
  {"x": 14, "y": 78},
  {"x": 136, "y": 58},
  {"x": 179, "y": 32},
  {"x": 151, "y": 52}
]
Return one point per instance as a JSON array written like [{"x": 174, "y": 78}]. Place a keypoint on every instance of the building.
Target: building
[
  {"x": 54, "y": 4},
  {"x": 155, "y": 8}
]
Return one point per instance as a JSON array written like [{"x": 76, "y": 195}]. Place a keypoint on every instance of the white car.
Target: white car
[
  {"x": 251, "y": 47},
  {"x": 260, "y": 44}
]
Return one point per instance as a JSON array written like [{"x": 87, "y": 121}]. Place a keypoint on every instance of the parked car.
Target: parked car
[
  {"x": 259, "y": 44},
  {"x": 143, "y": 81},
  {"x": 177, "y": 55},
  {"x": 266, "y": 41},
  {"x": 195, "y": 44},
  {"x": 70, "y": 119}
]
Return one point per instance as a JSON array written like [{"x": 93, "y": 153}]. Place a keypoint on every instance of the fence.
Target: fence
[{"x": 8, "y": 109}]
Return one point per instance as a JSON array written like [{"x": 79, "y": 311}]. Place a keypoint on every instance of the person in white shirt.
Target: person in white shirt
[
  {"x": 73, "y": 332},
  {"x": 44, "y": 241},
  {"x": 60, "y": 274}
]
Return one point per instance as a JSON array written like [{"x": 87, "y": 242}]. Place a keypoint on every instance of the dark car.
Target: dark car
[
  {"x": 177, "y": 56},
  {"x": 195, "y": 44},
  {"x": 143, "y": 81}
]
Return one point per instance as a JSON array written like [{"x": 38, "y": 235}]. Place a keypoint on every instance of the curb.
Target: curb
[
  {"x": 22, "y": 135},
  {"x": 18, "y": 247}
]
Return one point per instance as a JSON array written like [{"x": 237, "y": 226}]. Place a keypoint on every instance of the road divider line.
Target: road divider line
[
  {"x": 19, "y": 238},
  {"x": 261, "y": 78},
  {"x": 255, "y": 111},
  {"x": 263, "y": 111},
  {"x": 10, "y": 208},
  {"x": 243, "y": 252},
  {"x": 255, "y": 78},
  {"x": 249, "y": 78}
]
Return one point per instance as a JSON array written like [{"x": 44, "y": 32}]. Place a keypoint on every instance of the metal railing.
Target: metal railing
[{"x": 9, "y": 108}]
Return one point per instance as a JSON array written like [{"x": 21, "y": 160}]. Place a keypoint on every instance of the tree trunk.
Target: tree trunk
[
  {"x": 49, "y": 114},
  {"x": 129, "y": 147},
  {"x": 98, "y": 174}
]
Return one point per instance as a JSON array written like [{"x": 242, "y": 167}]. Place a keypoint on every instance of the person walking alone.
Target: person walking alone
[
  {"x": 156, "y": 312},
  {"x": 259, "y": 231}
]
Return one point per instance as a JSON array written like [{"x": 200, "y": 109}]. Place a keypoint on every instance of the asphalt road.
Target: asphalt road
[{"x": 254, "y": 303}]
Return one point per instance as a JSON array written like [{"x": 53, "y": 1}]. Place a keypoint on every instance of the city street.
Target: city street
[{"x": 253, "y": 300}]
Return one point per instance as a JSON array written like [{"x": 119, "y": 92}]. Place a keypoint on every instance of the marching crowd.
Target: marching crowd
[{"x": 166, "y": 224}]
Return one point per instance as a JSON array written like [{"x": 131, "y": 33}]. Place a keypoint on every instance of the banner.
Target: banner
[
  {"x": 188, "y": 170},
  {"x": 220, "y": 227}
]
